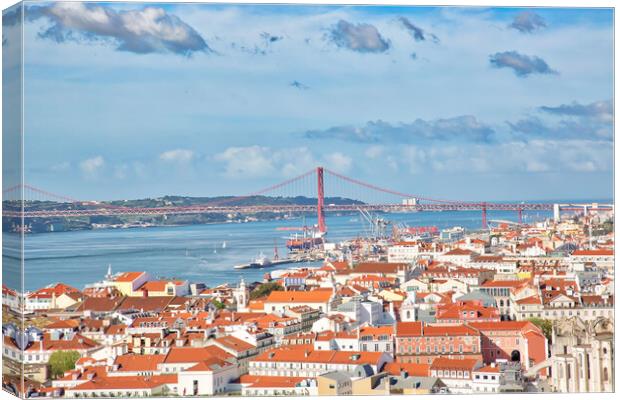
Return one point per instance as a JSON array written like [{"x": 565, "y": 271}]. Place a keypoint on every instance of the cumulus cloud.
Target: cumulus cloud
[
  {"x": 149, "y": 30},
  {"x": 416, "y": 32},
  {"x": 463, "y": 128},
  {"x": 92, "y": 165},
  {"x": 262, "y": 161},
  {"x": 521, "y": 64},
  {"x": 594, "y": 120},
  {"x": 601, "y": 111},
  {"x": 528, "y": 22},
  {"x": 259, "y": 161},
  {"x": 177, "y": 156},
  {"x": 363, "y": 38},
  {"x": 536, "y": 156},
  {"x": 339, "y": 161}
]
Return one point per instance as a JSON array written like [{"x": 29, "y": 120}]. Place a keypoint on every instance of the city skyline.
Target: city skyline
[{"x": 459, "y": 103}]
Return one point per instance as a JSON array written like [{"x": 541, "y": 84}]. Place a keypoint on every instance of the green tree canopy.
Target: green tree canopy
[
  {"x": 264, "y": 290},
  {"x": 218, "y": 304},
  {"x": 62, "y": 361}
]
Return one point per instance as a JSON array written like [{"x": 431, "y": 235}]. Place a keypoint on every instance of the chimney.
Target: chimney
[{"x": 403, "y": 374}]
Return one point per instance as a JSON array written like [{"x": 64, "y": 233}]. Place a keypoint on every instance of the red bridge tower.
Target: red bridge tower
[{"x": 320, "y": 200}]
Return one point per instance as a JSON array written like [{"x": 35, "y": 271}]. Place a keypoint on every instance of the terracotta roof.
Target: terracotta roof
[
  {"x": 459, "y": 252},
  {"x": 157, "y": 303},
  {"x": 376, "y": 331},
  {"x": 307, "y": 354},
  {"x": 379, "y": 267},
  {"x": 467, "y": 364},
  {"x": 139, "y": 362},
  {"x": 158, "y": 286},
  {"x": 489, "y": 369},
  {"x": 233, "y": 343},
  {"x": 502, "y": 325},
  {"x": 126, "y": 382},
  {"x": 52, "y": 290},
  {"x": 178, "y": 355},
  {"x": 420, "y": 329},
  {"x": 316, "y": 296},
  {"x": 535, "y": 299},
  {"x": 128, "y": 276},
  {"x": 64, "y": 324},
  {"x": 100, "y": 304},
  {"x": 506, "y": 284},
  {"x": 412, "y": 369},
  {"x": 595, "y": 252},
  {"x": 77, "y": 342}
]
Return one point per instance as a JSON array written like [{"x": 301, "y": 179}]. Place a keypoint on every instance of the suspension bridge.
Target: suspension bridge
[{"x": 316, "y": 183}]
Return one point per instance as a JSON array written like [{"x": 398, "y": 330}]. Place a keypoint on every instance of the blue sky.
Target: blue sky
[{"x": 134, "y": 100}]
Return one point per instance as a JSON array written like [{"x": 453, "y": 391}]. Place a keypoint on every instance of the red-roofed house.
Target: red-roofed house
[
  {"x": 456, "y": 374},
  {"x": 601, "y": 257},
  {"x": 163, "y": 288},
  {"x": 128, "y": 282},
  {"x": 304, "y": 361},
  {"x": 417, "y": 342},
  {"x": 47, "y": 297},
  {"x": 512, "y": 341},
  {"x": 322, "y": 300},
  {"x": 465, "y": 311}
]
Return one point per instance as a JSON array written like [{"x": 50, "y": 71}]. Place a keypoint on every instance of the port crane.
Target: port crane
[{"x": 377, "y": 226}]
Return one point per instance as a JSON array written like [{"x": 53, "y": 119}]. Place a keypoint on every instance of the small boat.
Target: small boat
[
  {"x": 224, "y": 245},
  {"x": 259, "y": 262}
]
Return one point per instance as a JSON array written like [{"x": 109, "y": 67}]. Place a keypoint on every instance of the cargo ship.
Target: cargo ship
[{"x": 306, "y": 241}]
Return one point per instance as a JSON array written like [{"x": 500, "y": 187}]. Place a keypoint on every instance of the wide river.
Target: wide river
[{"x": 195, "y": 252}]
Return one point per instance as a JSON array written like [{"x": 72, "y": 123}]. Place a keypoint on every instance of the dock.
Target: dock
[{"x": 275, "y": 263}]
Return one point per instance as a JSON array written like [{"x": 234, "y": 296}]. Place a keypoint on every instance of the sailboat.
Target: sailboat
[{"x": 224, "y": 245}]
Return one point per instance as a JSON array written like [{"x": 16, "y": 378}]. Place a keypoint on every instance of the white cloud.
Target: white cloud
[
  {"x": 536, "y": 166},
  {"x": 178, "y": 156},
  {"x": 536, "y": 156},
  {"x": 338, "y": 162},
  {"x": 247, "y": 162},
  {"x": 374, "y": 151},
  {"x": 262, "y": 161},
  {"x": 149, "y": 30},
  {"x": 91, "y": 166}
]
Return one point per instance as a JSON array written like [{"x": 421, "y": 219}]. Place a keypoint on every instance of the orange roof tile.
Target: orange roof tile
[
  {"x": 412, "y": 369},
  {"x": 443, "y": 363},
  {"x": 316, "y": 296},
  {"x": 128, "y": 276}
]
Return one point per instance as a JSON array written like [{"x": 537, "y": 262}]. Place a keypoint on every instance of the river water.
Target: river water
[{"x": 195, "y": 252}]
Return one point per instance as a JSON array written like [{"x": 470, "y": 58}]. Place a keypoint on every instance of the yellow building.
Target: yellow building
[{"x": 128, "y": 282}]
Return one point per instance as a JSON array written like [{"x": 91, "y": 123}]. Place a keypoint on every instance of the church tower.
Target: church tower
[{"x": 242, "y": 296}]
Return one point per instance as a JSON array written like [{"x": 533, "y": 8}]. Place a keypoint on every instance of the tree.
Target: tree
[
  {"x": 62, "y": 361},
  {"x": 264, "y": 290},
  {"x": 543, "y": 324},
  {"x": 218, "y": 304}
]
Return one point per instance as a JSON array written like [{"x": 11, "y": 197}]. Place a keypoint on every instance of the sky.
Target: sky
[{"x": 134, "y": 100}]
